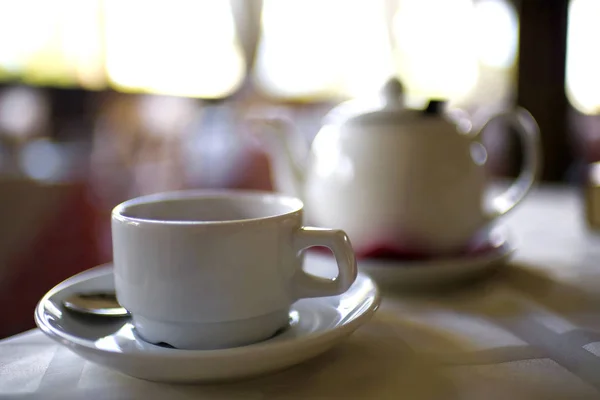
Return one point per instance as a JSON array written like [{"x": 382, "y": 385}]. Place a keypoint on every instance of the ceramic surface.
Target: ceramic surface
[
  {"x": 217, "y": 269},
  {"x": 397, "y": 178},
  {"x": 315, "y": 326}
]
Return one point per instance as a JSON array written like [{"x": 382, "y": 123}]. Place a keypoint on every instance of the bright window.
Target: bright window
[
  {"x": 178, "y": 47},
  {"x": 313, "y": 49},
  {"x": 583, "y": 60},
  {"x": 54, "y": 42},
  {"x": 460, "y": 50}
]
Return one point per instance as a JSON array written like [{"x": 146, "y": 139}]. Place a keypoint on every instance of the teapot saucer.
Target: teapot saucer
[
  {"x": 316, "y": 325},
  {"x": 493, "y": 251}
]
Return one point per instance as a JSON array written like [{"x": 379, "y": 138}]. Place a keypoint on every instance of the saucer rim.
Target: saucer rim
[
  {"x": 500, "y": 252},
  {"x": 77, "y": 344}
]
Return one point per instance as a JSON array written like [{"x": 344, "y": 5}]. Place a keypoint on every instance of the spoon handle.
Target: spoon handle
[{"x": 95, "y": 303}]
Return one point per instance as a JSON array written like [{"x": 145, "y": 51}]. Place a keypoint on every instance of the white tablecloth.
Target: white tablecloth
[{"x": 531, "y": 332}]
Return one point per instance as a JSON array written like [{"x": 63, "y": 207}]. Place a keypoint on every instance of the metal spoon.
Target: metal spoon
[{"x": 102, "y": 304}]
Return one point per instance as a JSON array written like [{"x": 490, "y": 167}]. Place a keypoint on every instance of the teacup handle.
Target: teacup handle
[
  {"x": 308, "y": 285},
  {"x": 524, "y": 123}
]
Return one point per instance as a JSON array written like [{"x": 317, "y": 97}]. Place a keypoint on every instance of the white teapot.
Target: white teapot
[{"x": 398, "y": 179}]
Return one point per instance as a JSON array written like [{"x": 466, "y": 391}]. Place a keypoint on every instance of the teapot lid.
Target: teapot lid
[{"x": 388, "y": 108}]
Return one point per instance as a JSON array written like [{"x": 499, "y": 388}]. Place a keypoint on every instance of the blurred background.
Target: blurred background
[{"x": 104, "y": 100}]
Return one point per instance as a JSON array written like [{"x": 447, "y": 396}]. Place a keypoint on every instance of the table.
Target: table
[{"x": 530, "y": 332}]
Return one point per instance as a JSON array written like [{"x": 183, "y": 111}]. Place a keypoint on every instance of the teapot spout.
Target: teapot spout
[{"x": 286, "y": 151}]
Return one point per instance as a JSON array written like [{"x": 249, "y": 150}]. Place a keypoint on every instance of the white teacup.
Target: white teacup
[{"x": 207, "y": 270}]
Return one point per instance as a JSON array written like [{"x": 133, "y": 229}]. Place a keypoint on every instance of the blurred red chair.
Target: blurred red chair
[{"x": 48, "y": 233}]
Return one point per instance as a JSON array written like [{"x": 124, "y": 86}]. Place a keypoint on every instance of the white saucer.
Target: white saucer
[
  {"x": 316, "y": 326},
  {"x": 415, "y": 274}
]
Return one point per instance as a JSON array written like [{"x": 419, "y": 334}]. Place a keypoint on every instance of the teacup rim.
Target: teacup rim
[{"x": 296, "y": 206}]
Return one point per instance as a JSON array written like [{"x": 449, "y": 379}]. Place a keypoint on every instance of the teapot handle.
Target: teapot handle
[{"x": 524, "y": 123}]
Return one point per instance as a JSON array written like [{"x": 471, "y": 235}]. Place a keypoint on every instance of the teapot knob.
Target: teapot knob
[
  {"x": 435, "y": 107},
  {"x": 393, "y": 93}
]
